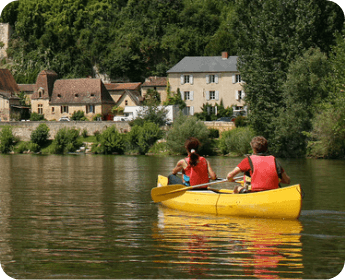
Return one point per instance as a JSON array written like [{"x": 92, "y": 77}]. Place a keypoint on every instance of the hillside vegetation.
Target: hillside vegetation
[{"x": 290, "y": 54}]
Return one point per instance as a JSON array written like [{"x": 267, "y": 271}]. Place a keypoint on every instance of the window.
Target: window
[
  {"x": 126, "y": 103},
  {"x": 53, "y": 110},
  {"x": 64, "y": 109},
  {"x": 236, "y": 78},
  {"x": 186, "y": 79},
  {"x": 40, "y": 109},
  {"x": 212, "y": 79},
  {"x": 186, "y": 95},
  {"x": 212, "y": 95},
  {"x": 189, "y": 110},
  {"x": 90, "y": 109},
  {"x": 240, "y": 95}
]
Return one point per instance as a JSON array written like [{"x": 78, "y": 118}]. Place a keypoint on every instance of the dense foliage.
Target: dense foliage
[
  {"x": 40, "y": 135},
  {"x": 285, "y": 49},
  {"x": 125, "y": 39},
  {"x": 7, "y": 140}
]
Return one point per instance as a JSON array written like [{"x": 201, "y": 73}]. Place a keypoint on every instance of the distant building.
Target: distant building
[
  {"x": 125, "y": 94},
  {"x": 156, "y": 83},
  {"x": 10, "y": 107},
  {"x": 208, "y": 79}
]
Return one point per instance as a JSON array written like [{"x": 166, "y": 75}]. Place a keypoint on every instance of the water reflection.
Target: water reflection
[{"x": 213, "y": 246}]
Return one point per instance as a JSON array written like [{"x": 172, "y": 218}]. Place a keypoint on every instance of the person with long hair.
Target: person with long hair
[{"x": 195, "y": 168}]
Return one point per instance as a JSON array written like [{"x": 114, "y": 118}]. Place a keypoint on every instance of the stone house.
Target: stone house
[
  {"x": 125, "y": 94},
  {"x": 10, "y": 107},
  {"x": 156, "y": 83},
  {"x": 208, "y": 79},
  {"x": 87, "y": 95}
]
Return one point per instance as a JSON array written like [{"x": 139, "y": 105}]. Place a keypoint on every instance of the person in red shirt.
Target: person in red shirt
[
  {"x": 196, "y": 169},
  {"x": 264, "y": 170}
]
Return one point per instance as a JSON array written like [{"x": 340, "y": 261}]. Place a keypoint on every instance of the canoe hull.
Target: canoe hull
[{"x": 282, "y": 203}]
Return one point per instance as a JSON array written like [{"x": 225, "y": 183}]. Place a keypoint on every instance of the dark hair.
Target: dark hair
[
  {"x": 259, "y": 144},
  {"x": 192, "y": 143}
]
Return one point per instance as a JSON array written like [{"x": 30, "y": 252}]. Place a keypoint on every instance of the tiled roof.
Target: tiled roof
[
  {"x": 197, "y": 64},
  {"x": 80, "y": 91},
  {"x": 8, "y": 85},
  {"x": 154, "y": 81},
  {"x": 26, "y": 87},
  {"x": 123, "y": 86},
  {"x": 44, "y": 84}
]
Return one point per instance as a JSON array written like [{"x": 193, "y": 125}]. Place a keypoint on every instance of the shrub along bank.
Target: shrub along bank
[{"x": 142, "y": 139}]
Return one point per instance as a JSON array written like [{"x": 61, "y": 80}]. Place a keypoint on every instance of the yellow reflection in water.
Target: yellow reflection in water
[{"x": 214, "y": 246}]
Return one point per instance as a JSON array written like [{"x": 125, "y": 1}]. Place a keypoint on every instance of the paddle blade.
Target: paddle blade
[{"x": 167, "y": 192}]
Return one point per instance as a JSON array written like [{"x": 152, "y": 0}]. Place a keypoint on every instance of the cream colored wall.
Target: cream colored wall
[
  {"x": 225, "y": 86},
  {"x": 161, "y": 90},
  {"x": 129, "y": 100},
  {"x": 4, "y": 109}
]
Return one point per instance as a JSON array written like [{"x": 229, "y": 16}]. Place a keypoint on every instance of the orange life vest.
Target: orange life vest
[
  {"x": 198, "y": 174},
  {"x": 265, "y": 175}
]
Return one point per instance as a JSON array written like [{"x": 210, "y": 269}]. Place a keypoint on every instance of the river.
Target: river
[{"x": 91, "y": 216}]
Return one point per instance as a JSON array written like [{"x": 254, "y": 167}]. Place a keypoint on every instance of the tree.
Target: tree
[
  {"x": 303, "y": 91},
  {"x": 40, "y": 135},
  {"x": 7, "y": 140},
  {"x": 269, "y": 40},
  {"x": 185, "y": 127},
  {"x": 175, "y": 99}
]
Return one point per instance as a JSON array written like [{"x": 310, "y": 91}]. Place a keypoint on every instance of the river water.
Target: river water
[{"x": 91, "y": 216}]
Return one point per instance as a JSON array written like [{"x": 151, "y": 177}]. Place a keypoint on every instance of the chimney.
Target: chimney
[{"x": 224, "y": 55}]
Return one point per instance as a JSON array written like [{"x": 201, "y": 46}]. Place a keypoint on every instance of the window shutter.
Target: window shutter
[
  {"x": 216, "y": 79},
  {"x": 191, "y": 108},
  {"x": 207, "y": 95},
  {"x": 208, "y": 110},
  {"x": 243, "y": 94},
  {"x": 237, "y": 95},
  {"x": 217, "y": 95},
  {"x": 191, "y": 79},
  {"x": 216, "y": 110},
  {"x": 182, "y": 79},
  {"x": 182, "y": 95},
  {"x": 233, "y": 78},
  {"x": 191, "y": 95},
  {"x": 207, "y": 79}
]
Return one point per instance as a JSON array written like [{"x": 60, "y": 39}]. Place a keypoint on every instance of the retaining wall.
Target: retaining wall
[{"x": 23, "y": 129}]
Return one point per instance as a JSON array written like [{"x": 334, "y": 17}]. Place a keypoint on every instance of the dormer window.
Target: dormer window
[
  {"x": 40, "y": 92},
  {"x": 76, "y": 95},
  {"x": 59, "y": 95},
  {"x": 92, "y": 94}
]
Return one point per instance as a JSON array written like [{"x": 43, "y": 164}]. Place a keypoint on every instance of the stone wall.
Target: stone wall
[
  {"x": 23, "y": 129},
  {"x": 221, "y": 126},
  {"x": 5, "y": 34}
]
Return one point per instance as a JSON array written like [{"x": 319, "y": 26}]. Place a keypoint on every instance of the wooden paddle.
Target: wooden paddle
[{"x": 159, "y": 194}]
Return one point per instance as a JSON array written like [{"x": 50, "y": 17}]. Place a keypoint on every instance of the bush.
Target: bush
[
  {"x": 36, "y": 117},
  {"x": 78, "y": 116},
  {"x": 7, "y": 140},
  {"x": 66, "y": 140},
  {"x": 84, "y": 134},
  {"x": 185, "y": 127},
  {"x": 110, "y": 141},
  {"x": 214, "y": 133},
  {"x": 40, "y": 135},
  {"x": 236, "y": 141}
]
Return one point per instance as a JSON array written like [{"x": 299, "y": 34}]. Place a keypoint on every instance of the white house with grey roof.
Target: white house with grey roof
[{"x": 208, "y": 79}]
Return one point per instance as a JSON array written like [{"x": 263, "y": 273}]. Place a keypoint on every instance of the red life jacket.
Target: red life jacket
[
  {"x": 264, "y": 173},
  {"x": 198, "y": 174}
]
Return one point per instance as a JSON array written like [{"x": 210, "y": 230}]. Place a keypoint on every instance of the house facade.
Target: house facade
[
  {"x": 125, "y": 94},
  {"x": 72, "y": 95},
  {"x": 10, "y": 107},
  {"x": 158, "y": 84},
  {"x": 209, "y": 80}
]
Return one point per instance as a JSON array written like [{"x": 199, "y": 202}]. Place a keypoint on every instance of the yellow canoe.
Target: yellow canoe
[{"x": 282, "y": 203}]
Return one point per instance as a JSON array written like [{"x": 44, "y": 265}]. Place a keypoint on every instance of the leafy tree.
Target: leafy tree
[
  {"x": 236, "y": 141},
  {"x": 7, "y": 140},
  {"x": 303, "y": 91},
  {"x": 152, "y": 98},
  {"x": 78, "y": 116},
  {"x": 110, "y": 141},
  {"x": 40, "y": 135},
  {"x": 185, "y": 127},
  {"x": 142, "y": 138},
  {"x": 36, "y": 117},
  {"x": 175, "y": 99},
  {"x": 269, "y": 40},
  {"x": 154, "y": 114},
  {"x": 66, "y": 140}
]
